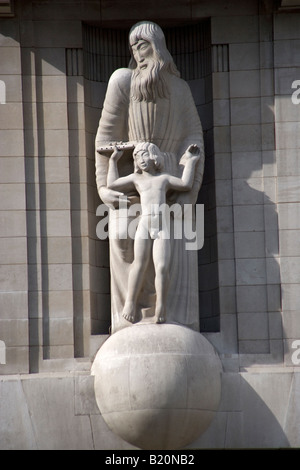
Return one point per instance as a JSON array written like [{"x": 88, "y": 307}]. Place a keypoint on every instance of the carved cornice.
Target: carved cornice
[
  {"x": 289, "y": 5},
  {"x": 6, "y": 8}
]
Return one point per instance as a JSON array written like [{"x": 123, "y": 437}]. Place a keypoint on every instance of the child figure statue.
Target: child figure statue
[{"x": 152, "y": 237}]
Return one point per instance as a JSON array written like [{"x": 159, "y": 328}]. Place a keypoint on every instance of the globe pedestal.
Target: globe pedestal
[{"x": 157, "y": 386}]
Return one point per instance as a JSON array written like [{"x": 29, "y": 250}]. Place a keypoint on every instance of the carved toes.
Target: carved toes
[
  {"x": 129, "y": 314},
  {"x": 128, "y": 317},
  {"x": 161, "y": 319}
]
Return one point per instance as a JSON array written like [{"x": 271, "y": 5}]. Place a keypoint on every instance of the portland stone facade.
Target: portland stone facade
[{"x": 58, "y": 305}]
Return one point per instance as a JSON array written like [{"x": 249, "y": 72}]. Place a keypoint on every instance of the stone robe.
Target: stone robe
[{"x": 172, "y": 124}]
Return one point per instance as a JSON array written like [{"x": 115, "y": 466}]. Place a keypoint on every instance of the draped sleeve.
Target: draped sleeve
[{"x": 113, "y": 124}]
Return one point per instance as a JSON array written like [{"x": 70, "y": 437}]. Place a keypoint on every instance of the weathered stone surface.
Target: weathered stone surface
[
  {"x": 151, "y": 413},
  {"x": 48, "y": 121}
]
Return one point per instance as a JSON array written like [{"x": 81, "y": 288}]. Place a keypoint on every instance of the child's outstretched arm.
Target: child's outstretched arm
[
  {"x": 189, "y": 159},
  {"x": 113, "y": 180}
]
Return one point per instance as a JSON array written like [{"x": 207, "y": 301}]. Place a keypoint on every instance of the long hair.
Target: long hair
[
  {"x": 156, "y": 83},
  {"x": 154, "y": 152}
]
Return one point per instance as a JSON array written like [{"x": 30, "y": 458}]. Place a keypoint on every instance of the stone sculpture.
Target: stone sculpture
[
  {"x": 149, "y": 102},
  {"x": 152, "y": 235},
  {"x": 157, "y": 383},
  {"x": 157, "y": 386}
]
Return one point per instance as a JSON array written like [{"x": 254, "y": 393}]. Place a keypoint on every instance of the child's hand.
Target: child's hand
[
  {"x": 192, "y": 153},
  {"x": 117, "y": 154}
]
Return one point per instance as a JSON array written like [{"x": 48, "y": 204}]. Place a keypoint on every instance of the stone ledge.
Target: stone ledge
[
  {"x": 259, "y": 408},
  {"x": 289, "y": 5},
  {"x": 6, "y": 8}
]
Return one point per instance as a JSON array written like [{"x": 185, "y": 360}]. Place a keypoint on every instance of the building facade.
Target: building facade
[{"x": 241, "y": 60}]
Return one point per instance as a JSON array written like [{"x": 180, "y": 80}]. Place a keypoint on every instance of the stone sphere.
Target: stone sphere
[{"x": 157, "y": 386}]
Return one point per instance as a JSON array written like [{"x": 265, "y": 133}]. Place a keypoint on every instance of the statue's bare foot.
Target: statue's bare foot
[
  {"x": 161, "y": 319},
  {"x": 129, "y": 312},
  {"x": 160, "y": 315}
]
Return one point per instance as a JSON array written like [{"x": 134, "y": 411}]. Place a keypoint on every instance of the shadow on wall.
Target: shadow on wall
[
  {"x": 257, "y": 411},
  {"x": 256, "y": 244},
  {"x": 254, "y": 230}
]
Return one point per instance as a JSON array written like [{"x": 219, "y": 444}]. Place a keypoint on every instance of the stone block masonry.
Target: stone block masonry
[{"x": 54, "y": 272}]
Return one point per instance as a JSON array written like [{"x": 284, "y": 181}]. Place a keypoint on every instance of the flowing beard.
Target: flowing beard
[{"x": 148, "y": 84}]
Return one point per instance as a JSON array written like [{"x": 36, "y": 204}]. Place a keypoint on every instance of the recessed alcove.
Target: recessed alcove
[{"x": 105, "y": 49}]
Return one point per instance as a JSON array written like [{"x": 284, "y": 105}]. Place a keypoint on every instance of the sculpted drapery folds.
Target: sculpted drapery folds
[{"x": 149, "y": 102}]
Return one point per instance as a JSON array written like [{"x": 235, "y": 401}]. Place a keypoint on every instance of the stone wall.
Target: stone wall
[
  {"x": 54, "y": 272},
  {"x": 54, "y": 411}
]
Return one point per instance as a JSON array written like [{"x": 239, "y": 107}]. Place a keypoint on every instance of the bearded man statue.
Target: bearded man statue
[{"x": 149, "y": 102}]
